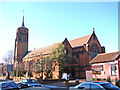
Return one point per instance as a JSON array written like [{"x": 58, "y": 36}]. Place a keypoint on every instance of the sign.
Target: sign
[
  {"x": 89, "y": 76},
  {"x": 64, "y": 76},
  {"x": 97, "y": 68},
  {"x": 9, "y": 67}
]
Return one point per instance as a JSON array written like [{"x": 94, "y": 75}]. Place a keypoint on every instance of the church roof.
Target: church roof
[
  {"x": 79, "y": 41},
  {"x": 48, "y": 49},
  {"x": 104, "y": 57},
  {"x": 42, "y": 51}
]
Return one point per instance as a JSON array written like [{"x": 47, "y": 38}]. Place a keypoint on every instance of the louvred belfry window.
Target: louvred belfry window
[
  {"x": 24, "y": 38},
  {"x": 20, "y": 38}
]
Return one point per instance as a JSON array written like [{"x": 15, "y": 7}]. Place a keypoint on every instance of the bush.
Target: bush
[
  {"x": 14, "y": 72},
  {"x": 103, "y": 79},
  {"x": 108, "y": 79},
  {"x": 94, "y": 79}
]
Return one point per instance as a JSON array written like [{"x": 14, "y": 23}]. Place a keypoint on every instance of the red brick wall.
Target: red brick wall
[
  {"x": 84, "y": 57},
  {"x": 21, "y": 48}
]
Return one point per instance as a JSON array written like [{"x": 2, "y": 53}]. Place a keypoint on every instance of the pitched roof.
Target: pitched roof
[
  {"x": 104, "y": 57},
  {"x": 48, "y": 49},
  {"x": 79, "y": 41},
  {"x": 43, "y": 50}
]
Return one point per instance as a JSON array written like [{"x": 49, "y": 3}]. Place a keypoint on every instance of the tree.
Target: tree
[
  {"x": 60, "y": 57},
  {"x": 44, "y": 66},
  {"x": 8, "y": 58},
  {"x": 19, "y": 70},
  {"x": 47, "y": 66}
]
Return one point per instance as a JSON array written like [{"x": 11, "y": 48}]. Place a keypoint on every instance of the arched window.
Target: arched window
[
  {"x": 27, "y": 66},
  {"x": 66, "y": 50},
  {"x": 30, "y": 66},
  {"x": 38, "y": 65},
  {"x": 93, "y": 51},
  {"x": 33, "y": 65},
  {"x": 24, "y": 65},
  {"x": 77, "y": 56}
]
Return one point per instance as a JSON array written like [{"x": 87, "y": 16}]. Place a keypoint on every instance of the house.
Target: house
[{"x": 106, "y": 65}]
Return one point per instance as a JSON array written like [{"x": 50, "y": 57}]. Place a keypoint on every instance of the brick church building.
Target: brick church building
[{"x": 82, "y": 49}]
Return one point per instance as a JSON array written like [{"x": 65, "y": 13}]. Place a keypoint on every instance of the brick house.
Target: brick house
[
  {"x": 106, "y": 65},
  {"x": 83, "y": 50}
]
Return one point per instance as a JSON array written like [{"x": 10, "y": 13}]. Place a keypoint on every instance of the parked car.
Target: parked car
[
  {"x": 8, "y": 85},
  {"x": 94, "y": 86},
  {"x": 28, "y": 83},
  {"x": 36, "y": 88},
  {"x": 51, "y": 87},
  {"x": 3, "y": 80}
]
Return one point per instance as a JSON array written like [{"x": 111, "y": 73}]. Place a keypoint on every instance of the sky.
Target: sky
[{"x": 52, "y": 22}]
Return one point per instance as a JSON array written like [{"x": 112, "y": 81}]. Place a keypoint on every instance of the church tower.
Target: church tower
[{"x": 21, "y": 43}]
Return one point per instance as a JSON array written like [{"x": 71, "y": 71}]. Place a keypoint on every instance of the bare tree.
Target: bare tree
[
  {"x": 8, "y": 58},
  {"x": 20, "y": 70}
]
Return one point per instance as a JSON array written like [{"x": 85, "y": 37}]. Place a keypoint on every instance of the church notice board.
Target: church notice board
[
  {"x": 9, "y": 67},
  {"x": 89, "y": 76}
]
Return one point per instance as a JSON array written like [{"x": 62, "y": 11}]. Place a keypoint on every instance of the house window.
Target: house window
[{"x": 113, "y": 69}]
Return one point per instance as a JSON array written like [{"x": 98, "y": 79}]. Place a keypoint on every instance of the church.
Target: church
[{"x": 82, "y": 49}]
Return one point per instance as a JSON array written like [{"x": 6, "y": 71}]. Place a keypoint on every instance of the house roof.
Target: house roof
[
  {"x": 48, "y": 49},
  {"x": 104, "y": 57},
  {"x": 79, "y": 41}
]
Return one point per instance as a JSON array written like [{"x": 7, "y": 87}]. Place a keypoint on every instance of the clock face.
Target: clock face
[{"x": 93, "y": 51}]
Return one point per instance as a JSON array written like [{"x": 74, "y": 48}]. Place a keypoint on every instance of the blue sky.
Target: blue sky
[{"x": 51, "y": 22}]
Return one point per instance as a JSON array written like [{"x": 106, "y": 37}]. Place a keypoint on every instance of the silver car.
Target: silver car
[
  {"x": 28, "y": 83},
  {"x": 94, "y": 86}
]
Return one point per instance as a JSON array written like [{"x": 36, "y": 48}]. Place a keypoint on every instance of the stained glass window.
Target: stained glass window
[{"x": 93, "y": 51}]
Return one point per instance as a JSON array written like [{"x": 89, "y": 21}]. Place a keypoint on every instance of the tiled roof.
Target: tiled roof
[
  {"x": 79, "y": 41},
  {"x": 48, "y": 49},
  {"x": 104, "y": 57},
  {"x": 44, "y": 50}
]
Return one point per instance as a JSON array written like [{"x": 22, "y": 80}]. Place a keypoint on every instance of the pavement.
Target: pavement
[
  {"x": 60, "y": 84},
  {"x": 63, "y": 83}
]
